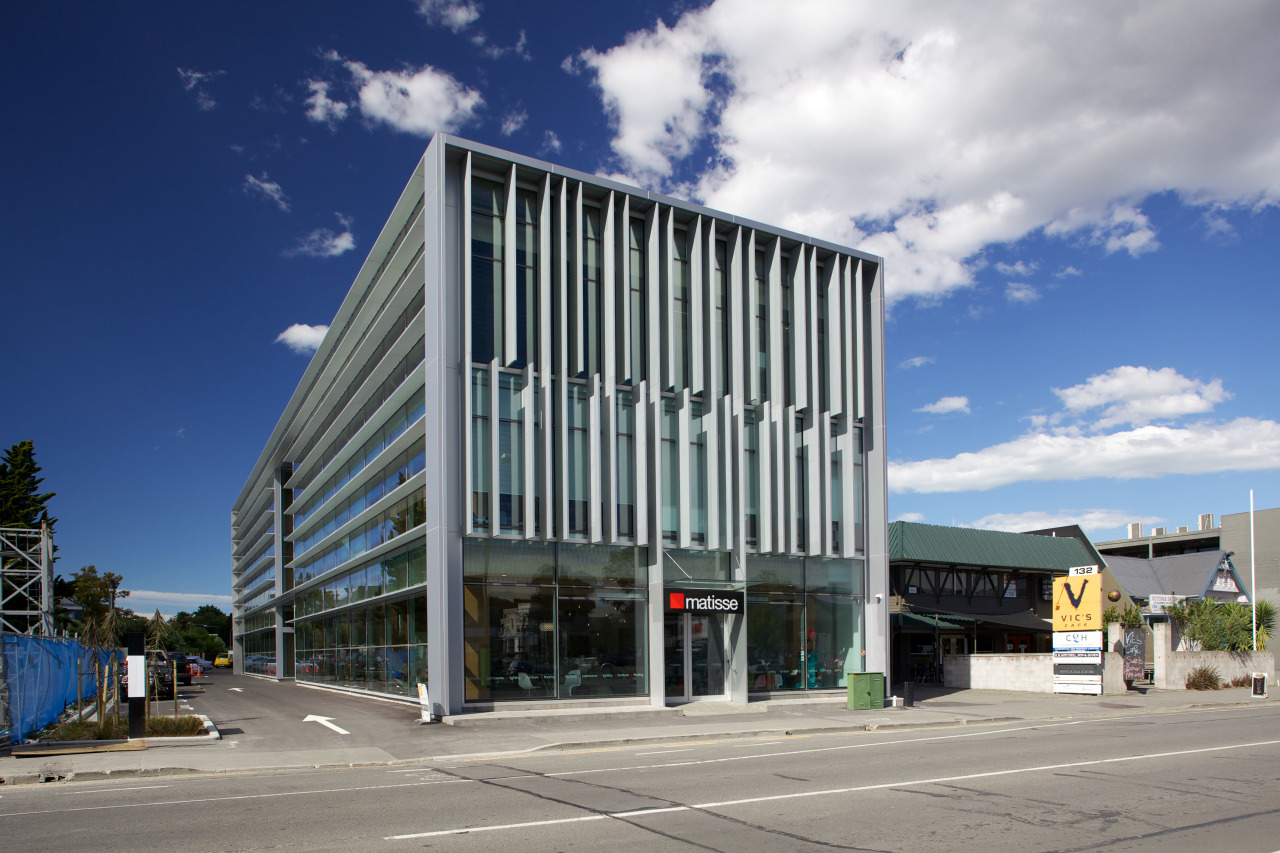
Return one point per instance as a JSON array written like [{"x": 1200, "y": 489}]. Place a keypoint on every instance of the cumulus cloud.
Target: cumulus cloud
[
  {"x": 268, "y": 189},
  {"x": 457, "y": 15},
  {"x": 324, "y": 243},
  {"x": 1017, "y": 291},
  {"x": 1140, "y": 395},
  {"x": 194, "y": 82},
  {"x": 925, "y": 132},
  {"x": 551, "y": 142},
  {"x": 513, "y": 121},
  {"x": 1018, "y": 269},
  {"x": 301, "y": 338},
  {"x": 1089, "y": 520},
  {"x": 1244, "y": 444},
  {"x": 917, "y": 361},
  {"x": 321, "y": 108},
  {"x": 910, "y": 516},
  {"x": 1065, "y": 445},
  {"x": 420, "y": 101},
  {"x": 947, "y": 405}
]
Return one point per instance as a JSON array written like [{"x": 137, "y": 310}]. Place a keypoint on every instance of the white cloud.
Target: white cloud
[
  {"x": 1139, "y": 395},
  {"x": 926, "y": 132},
  {"x": 551, "y": 142},
  {"x": 513, "y": 121},
  {"x": 194, "y": 82},
  {"x": 1245, "y": 444},
  {"x": 947, "y": 405},
  {"x": 457, "y": 15},
  {"x": 323, "y": 243},
  {"x": 420, "y": 101},
  {"x": 1017, "y": 291},
  {"x": 917, "y": 361},
  {"x": 1088, "y": 519},
  {"x": 323, "y": 109},
  {"x": 266, "y": 188},
  {"x": 1067, "y": 272},
  {"x": 301, "y": 338},
  {"x": 1019, "y": 269},
  {"x": 147, "y": 601},
  {"x": 916, "y": 517},
  {"x": 655, "y": 94}
]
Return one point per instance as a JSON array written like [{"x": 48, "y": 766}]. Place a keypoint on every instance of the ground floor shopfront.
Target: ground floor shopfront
[{"x": 561, "y": 622}]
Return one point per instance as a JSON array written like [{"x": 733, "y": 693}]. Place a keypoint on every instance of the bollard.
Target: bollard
[{"x": 908, "y": 694}]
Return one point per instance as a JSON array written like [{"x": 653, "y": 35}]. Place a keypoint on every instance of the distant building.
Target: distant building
[
  {"x": 568, "y": 439},
  {"x": 956, "y": 590},
  {"x": 1231, "y": 537}
]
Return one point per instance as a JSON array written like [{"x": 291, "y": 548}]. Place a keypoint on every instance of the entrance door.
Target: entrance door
[{"x": 694, "y": 650}]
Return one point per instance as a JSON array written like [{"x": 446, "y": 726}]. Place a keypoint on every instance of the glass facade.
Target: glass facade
[
  {"x": 804, "y": 622},
  {"x": 544, "y": 621},
  {"x": 637, "y": 374}
]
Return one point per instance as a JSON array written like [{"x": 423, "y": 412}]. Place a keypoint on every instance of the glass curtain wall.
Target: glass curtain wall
[
  {"x": 804, "y": 622},
  {"x": 363, "y": 631},
  {"x": 545, "y": 621}
]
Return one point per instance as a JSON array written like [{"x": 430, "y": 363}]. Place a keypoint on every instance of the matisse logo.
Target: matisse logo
[{"x": 706, "y": 601}]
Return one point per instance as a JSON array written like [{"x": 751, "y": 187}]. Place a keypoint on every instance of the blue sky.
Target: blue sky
[{"x": 1077, "y": 205}]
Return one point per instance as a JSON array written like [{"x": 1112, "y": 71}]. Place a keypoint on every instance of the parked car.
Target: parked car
[
  {"x": 199, "y": 661},
  {"x": 159, "y": 675},
  {"x": 223, "y": 659},
  {"x": 179, "y": 660}
]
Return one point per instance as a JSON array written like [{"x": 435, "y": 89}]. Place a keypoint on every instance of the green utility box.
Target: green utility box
[{"x": 866, "y": 691}]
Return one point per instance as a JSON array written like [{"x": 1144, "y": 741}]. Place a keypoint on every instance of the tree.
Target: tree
[
  {"x": 208, "y": 615},
  {"x": 92, "y": 591},
  {"x": 21, "y": 503}
]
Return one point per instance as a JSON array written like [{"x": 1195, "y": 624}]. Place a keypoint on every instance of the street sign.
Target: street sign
[
  {"x": 1077, "y": 657},
  {"x": 1064, "y": 641},
  {"x": 1082, "y": 684},
  {"x": 1077, "y": 603},
  {"x": 1077, "y": 669},
  {"x": 1258, "y": 685}
]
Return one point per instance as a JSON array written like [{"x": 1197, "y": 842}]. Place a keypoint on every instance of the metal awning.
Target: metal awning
[{"x": 1022, "y": 619}]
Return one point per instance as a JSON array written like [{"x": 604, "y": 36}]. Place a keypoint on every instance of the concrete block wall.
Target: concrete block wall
[
  {"x": 1032, "y": 673},
  {"x": 1230, "y": 665},
  {"x": 1028, "y": 673}
]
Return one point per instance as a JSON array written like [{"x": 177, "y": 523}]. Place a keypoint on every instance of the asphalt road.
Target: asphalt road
[{"x": 1179, "y": 781}]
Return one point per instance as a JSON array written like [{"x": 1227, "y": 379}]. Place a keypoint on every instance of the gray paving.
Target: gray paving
[{"x": 383, "y": 733}]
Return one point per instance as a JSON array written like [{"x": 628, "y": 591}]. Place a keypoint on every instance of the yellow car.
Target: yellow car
[{"x": 223, "y": 659}]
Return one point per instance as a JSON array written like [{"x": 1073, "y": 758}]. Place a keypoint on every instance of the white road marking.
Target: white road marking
[
  {"x": 269, "y": 796},
  {"x": 664, "y": 751},
  {"x": 236, "y": 689},
  {"x": 906, "y": 783},
  {"x": 327, "y": 722},
  {"x": 113, "y": 790}
]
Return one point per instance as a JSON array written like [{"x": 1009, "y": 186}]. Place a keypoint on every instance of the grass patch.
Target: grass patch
[
  {"x": 1204, "y": 678},
  {"x": 88, "y": 730},
  {"x": 187, "y": 726}
]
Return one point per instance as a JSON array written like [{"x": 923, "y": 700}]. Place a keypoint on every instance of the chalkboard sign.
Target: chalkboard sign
[
  {"x": 1135, "y": 653},
  {"x": 1259, "y": 682}
]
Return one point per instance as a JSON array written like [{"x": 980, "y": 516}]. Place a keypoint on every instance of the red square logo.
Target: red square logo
[{"x": 677, "y": 601}]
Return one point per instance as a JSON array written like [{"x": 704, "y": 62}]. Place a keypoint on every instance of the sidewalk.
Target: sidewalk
[{"x": 504, "y": 733}]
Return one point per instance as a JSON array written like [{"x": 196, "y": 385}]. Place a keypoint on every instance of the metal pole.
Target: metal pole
[
  {"x": 1253, "y": 575},
  {"x": 175, "y": 690}
]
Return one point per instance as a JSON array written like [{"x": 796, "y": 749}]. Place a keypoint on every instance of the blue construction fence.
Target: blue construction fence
[{"x": 38, "y": 680}]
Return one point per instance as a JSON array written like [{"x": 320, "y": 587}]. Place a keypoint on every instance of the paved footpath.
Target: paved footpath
[{"x": 481, "y": 735}]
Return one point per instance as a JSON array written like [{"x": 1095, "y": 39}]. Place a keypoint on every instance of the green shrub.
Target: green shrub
[{"x": 1204, "y": 678}]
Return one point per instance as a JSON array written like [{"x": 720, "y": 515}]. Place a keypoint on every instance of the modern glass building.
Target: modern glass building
[{"x": 567, "y": 439}]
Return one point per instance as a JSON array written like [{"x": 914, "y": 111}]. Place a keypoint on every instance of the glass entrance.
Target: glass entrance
[{"x": 694, "y": 652}]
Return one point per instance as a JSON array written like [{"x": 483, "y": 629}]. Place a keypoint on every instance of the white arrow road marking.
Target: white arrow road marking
[
  {"x": 236, "y": 689},
  {"x": 326, "y": 722}
]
